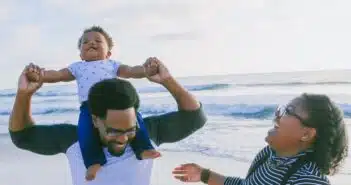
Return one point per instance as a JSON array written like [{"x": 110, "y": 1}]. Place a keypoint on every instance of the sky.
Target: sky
[{"x": 192, "y": 37}]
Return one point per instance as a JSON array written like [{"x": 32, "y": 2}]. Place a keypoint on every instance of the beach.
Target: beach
[
  {"x": 240, "y": 109},
  {"x": 30, "y": 168}
]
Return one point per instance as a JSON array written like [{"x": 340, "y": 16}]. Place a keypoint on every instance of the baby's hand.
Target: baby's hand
[
  {"x": 33, "y": 73},
  {"x": 151, "y": 67},
  {"x": 32, "y": 76},
  {"x": 151, "y": 70}
]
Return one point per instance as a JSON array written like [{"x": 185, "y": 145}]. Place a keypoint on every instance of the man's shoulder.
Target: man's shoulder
[
  {"x": 67, "y": 134},
  {"x": 74, "y": 148}
]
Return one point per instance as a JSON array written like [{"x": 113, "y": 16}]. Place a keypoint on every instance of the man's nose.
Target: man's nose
[{"x": 122, "y": 138}]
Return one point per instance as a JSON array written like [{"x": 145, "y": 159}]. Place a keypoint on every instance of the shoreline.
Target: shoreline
[{"x": 23, "y": 167}]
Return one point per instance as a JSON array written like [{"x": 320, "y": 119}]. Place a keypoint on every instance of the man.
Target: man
[{"x": 116, "y": 123}]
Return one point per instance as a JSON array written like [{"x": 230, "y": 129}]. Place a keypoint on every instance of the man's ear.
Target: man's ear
[{"x": 95, "y": 121}]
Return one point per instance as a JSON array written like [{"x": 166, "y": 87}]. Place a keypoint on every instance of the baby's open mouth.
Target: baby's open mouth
[{"x": 92, "y": 48}]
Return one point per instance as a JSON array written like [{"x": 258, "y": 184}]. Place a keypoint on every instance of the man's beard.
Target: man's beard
[{"x": 112, "y": 151}]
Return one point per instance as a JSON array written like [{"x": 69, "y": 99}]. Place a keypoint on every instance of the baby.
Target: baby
[{"x": 95, "y": 46}]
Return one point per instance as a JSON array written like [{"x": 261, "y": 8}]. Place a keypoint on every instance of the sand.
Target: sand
[{"x": 23, "y": 167}]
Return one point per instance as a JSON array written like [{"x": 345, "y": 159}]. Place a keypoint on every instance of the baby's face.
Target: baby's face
[{"x": 94, "y": 47}]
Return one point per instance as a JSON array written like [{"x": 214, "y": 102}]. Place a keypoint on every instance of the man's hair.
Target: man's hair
[
  {"x": 331, "y": 145},
  {"x": 112, "y": 94},
  {"x": 99, "y": 30}
]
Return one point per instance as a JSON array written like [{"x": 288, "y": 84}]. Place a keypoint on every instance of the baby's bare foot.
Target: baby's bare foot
[
  {"x": 91, "y": 172},
  {"x": 150, "y": 154}
]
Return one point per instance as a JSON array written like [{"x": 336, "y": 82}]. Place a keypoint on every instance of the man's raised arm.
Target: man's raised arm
[
  {"x": 20, "y": 117},
  {"x": 174, "y": 126},
  {"x": 45, "y": 140}
]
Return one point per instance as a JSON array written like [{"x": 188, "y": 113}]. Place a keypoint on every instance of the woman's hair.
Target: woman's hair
[{"x": 331, "y": 145}]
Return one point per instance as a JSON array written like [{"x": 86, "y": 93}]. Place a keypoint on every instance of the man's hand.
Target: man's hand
[
  {"x": 33, "y": 72},
  {"x": 156, "y": 71},
  {"x": 30, "y": 86},
  {"x": 188, "y": 172}
]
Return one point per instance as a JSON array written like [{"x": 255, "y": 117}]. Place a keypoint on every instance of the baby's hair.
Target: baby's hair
[{"x": 99, "y": 30}]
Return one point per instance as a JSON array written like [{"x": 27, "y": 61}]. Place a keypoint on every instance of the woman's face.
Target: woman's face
[{"x": 291, "y": 131}]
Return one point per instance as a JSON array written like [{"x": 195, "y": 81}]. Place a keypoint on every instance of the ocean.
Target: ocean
[{"x": 239, "y": 107}]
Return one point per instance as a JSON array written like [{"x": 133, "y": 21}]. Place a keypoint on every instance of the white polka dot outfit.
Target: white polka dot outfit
[{"x": 89, "y": 73}]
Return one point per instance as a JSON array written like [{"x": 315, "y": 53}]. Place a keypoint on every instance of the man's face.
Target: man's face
[{"x": 117, "y": 129}]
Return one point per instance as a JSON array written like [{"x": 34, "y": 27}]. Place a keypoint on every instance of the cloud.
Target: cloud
[
  {"x": 22, "y": 44},
  {"x": 7, "y": 8},
  {"x": 91, "y": 8},
  {"x": 27, "y": 38},
  {"x": 268, "y": 34},
  {"x": 128, "y": 18},
  {"x": 175, "y": 36},
  {"x": 87, "y": 7}
]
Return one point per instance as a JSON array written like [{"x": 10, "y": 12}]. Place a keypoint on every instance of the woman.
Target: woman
[{"x": 308, "y": 142}]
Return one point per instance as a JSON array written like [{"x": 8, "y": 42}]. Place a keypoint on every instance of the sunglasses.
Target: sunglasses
[
  {"x": 283, "y": 110},
  {"x": 112, "y": 132}
]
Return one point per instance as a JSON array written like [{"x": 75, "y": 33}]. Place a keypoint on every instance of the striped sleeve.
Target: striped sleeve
[{"x": 233, "y": 181}]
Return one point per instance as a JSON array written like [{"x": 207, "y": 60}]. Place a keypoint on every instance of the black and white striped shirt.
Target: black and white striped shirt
[{"x": 272, "y": 171}]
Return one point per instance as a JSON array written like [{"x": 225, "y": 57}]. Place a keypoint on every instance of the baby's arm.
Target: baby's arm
[
  {"x": 62, "y": 75},
  {"x": 149, "y": 68},
  {"x": 126, "y": 71},
  {"x": 50, "y": 76}
]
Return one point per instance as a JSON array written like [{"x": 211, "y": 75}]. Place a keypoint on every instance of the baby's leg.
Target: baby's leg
[
  {"x": 141, "y": 145},
  {"x": 89, "y": 142}
]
